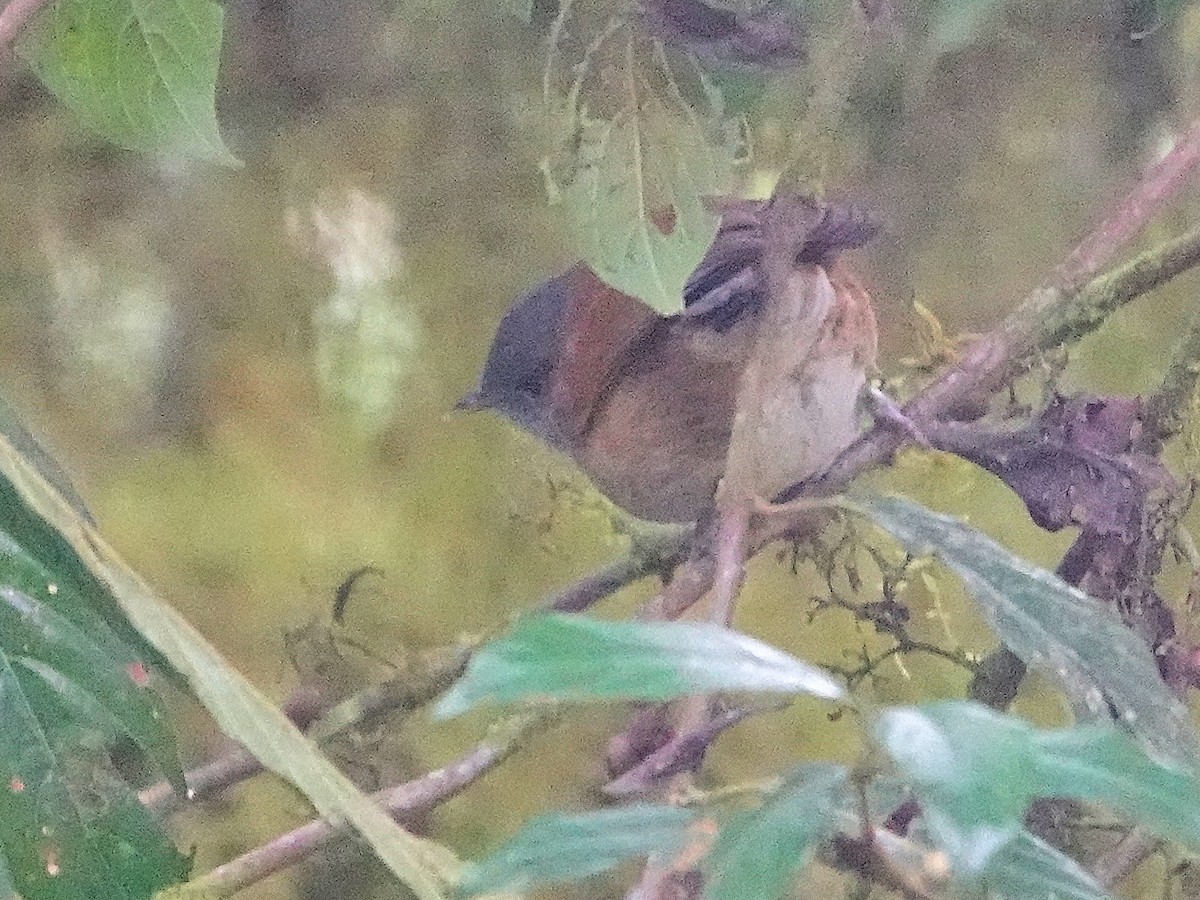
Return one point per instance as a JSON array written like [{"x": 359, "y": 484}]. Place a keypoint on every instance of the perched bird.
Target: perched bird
[{"x": 645, "y": 404}]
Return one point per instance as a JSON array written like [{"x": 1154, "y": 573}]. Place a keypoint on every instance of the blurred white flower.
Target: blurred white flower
[
  {"x": 108, "y": 320},
  {"x": 367, "y": 337}
]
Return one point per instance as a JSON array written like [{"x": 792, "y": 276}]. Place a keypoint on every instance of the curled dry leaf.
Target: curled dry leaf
[
  {"x": 1073, "y": 464},
  {"x": 1076, "y": 464}
]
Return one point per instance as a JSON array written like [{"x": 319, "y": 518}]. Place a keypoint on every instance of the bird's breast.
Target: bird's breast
[{"x": 657, "y": 439}]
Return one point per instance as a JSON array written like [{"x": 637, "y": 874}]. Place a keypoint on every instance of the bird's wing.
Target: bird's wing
[
  {"x": 603, "y": 327},
  {"x": 727, "y": 284}
]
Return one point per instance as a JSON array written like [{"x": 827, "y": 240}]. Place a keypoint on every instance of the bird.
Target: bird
[{"x": 644, "y": 404}]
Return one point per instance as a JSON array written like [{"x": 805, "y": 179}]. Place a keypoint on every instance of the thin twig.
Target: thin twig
[
  {"x": 650, "y": 554},
  {"x": 404, "y": 693},
  {"x": 401, "y": 801},
  {"x": 1154, "y": 190},
  {"x": 1134, "y": 849},
  {"x": 1166, "y": 409}
]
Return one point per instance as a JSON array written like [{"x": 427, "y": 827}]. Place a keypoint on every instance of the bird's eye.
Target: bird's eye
[{"x": 533, "y": 381}]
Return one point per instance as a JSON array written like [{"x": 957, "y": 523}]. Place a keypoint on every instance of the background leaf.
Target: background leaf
[
  {"x": 758, "y": 852},
  {"x": 642, "y": 140},
  {"x": 1083, "y": 646},
  {"x": 569, "y": 657},
  {"x": 560, "y": 847},
  {"x": 142, "y": 73},
  {"x": 634, "y": 168},
  {"x": 976, "y": 771}
]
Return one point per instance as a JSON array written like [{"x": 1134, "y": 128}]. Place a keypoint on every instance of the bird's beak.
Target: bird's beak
[{"x": 470, "y": 402}]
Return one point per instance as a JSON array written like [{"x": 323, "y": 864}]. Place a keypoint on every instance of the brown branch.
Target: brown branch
[
  {"x": 1118, "y": 863},
  {"x": 15, "y": 16},
  {"x": 404, "y": 693},
  {"x": 913, "y": 871},
  {"x": 650, "y": 554},
  {"x": 1154, "y": 190},
  {"x": 1165, "y": 410},
  {"x": 401, "y": 801}
]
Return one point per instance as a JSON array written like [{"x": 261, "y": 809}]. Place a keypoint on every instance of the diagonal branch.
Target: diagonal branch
[
  {"x": 1166, "y": 409},
  {"x": 401, "y": 801}
]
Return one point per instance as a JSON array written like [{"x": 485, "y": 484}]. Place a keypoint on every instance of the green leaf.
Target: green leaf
[
  {"x": 15, "y": 430},
  {"x": 1106, "y": 766},
  {"x": 1029, "y": 867},
  {"x": 972, "y": 770},
  {"x": 1103, "y": 667},
  {"x": 69, "y": 828},
  {"x": 570, "y": 657},
  {"x": 70, "y": 688},
  {"x": 976, "y": 771},
  {"x": 757, "y": 853},
  {"x": 241, "y": 711},
  {"x": 142, "y": 73},
  {"x": 634, "y": 169},
  {"x": 48, "y": 629},
  {"x": 556, "y": 848},
  {"x": 8, "y": 887},
  {"x": 43, "y": 558},
  {"x": 642, "y": 140}
]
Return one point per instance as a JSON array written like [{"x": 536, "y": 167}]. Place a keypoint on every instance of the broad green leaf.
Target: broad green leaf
[
  {"x": 69, "y": 828},
  {"x": 1078, "y": 642},
  {"x": 8, "y": 887},
  {"x": 77, "y": 668},
  {"x": 241, "y": 711},
  {"x": 976, "y": 771},
  {"x": 634, "y": 169},
  {"x": 12, "y": 426},
  {"x": 47, "y": 628},
  {"x": 570, "y": 657},
  {"x": 757, "y": 853},
  {"x": 44, "y": 565},
  {"x": 556, "y": 848},
  {"x": 142, "y": 73},
  {"x": 1029, "y": 867},
  {"x": 1106, "y": 766},
  {"x": 72, "y": 688},
  {"x": 972, "y": 770}
]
